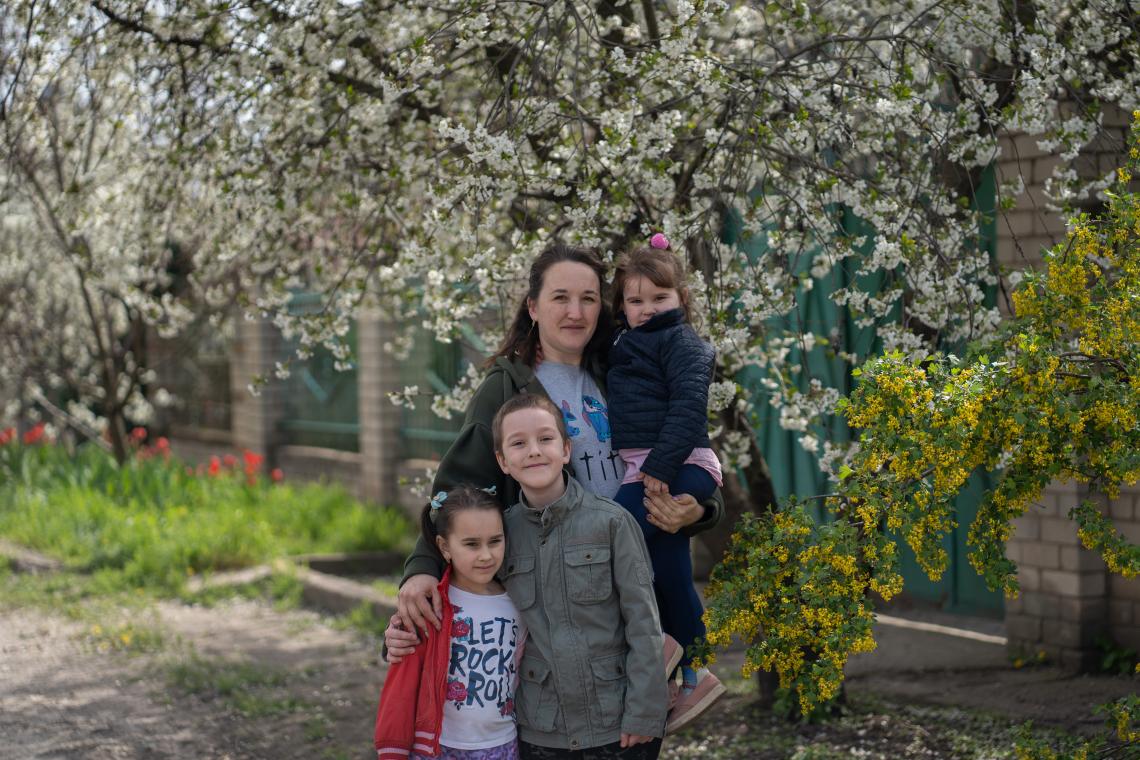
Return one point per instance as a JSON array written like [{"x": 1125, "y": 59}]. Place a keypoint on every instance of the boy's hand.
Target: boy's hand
[
  {"x": 400, "y": 642},
  {"x": 653, "y": 485},
  {"x": 628, "y": 740}
]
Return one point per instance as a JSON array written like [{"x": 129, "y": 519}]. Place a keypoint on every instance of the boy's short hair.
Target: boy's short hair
[{"x": 521, "y": 401}]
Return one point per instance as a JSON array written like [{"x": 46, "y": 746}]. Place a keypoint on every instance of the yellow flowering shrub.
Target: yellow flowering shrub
[{"x": 1054, "y": 395}]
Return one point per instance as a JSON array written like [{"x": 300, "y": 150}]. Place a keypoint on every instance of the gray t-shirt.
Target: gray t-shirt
[{"x": 595, "y": 463}]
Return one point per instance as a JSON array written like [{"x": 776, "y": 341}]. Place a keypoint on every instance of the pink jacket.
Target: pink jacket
[{"x": 410, "y": 715}]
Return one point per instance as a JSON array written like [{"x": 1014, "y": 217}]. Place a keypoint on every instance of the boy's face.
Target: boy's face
[{"x": 533, "y": 452}]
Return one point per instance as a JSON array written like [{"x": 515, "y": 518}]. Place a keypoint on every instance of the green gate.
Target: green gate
[
  {"x": 321, "y": 403},
  {"x": 435, "y": 367},
  {"x": 796, "y": 471}
]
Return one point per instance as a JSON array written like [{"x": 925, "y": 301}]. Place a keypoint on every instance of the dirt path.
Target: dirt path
[
  {"x": 311, "y": 694},
  {"x": 243, "y": 681}
]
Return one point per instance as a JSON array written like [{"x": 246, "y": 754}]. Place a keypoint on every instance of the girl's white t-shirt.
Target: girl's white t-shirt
[{"x": 487, "y": 635}]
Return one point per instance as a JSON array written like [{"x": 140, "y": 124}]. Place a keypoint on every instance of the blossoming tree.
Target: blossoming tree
[
  {"x": 92, "y": 212},
  {"x": 1054, "y": 393},
  {"x": 415, "y": 156}
]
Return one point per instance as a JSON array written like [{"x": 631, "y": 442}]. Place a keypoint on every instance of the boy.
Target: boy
[{"x": 578, "y": 571}]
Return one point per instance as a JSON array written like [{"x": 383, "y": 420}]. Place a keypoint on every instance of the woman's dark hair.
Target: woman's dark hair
[
  {"x": 522, "y": 336},
  {"x": 450, "y": 503},
  {"x": 660, "y": 266}
]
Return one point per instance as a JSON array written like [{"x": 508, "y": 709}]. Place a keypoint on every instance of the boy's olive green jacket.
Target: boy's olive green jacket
[
  {"x": 471, "y": 457},
  {"x": 592, "y": 669}
]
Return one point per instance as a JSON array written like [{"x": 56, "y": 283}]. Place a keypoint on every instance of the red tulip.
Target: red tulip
[{"x": 34, "y": 435}]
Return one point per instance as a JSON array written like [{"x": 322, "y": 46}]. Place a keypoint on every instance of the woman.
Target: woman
[{"x": 555, "y": 348}]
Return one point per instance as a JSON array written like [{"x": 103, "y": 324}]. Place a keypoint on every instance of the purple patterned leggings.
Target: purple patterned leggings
[{"x": 508, "y": 751}]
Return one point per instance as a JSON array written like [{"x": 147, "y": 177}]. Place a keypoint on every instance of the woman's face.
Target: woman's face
[{"x": 566, "y": 311}]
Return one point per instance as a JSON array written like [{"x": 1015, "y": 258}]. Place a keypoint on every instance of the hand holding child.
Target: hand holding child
[{"x": 419, "y": 603}]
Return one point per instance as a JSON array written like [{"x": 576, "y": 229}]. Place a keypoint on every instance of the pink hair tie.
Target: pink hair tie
[{"x": 659, "y": 241}]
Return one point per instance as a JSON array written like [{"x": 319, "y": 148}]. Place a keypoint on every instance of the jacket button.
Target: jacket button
[
  {"x": 510, "y": 568},
  {"x": 588, "y": 556},
  {"x": 621, "y": 669},
  {"x": 530, "y": 673}
]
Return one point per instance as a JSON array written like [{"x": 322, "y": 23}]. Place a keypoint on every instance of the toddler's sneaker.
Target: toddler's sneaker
[
  {"x": 672, "y": 652},
  {"x": 691, "y": 704}
]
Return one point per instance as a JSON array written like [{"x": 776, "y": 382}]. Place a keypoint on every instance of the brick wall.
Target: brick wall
[
  {"x": 255, "y": 417},
  {"x": 1068, "y": 597},
  {"x": 1063, "y": 605},
  {"x": 313, "y": 463},
  {"x": 380, "y": 453},
  {"x": 1124, "y": 595}
]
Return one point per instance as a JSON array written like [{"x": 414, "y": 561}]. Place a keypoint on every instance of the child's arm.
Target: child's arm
[
  {"x": 687, "y": 365},
  {"x": 646, "y": 696}
]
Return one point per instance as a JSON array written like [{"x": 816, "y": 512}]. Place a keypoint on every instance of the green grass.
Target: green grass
[
  {"x": 154, "y": 523},
  {"x": 283, "y": 589},
  {"x": 387, "y": 586},
  {"x": 362, "y": 618},
  {"x": 252, "y": 691}
]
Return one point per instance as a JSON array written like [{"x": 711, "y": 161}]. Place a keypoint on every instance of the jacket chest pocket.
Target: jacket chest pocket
[
  {"x": 518, "y": 578},
  {"x": 589, "y": 579}
]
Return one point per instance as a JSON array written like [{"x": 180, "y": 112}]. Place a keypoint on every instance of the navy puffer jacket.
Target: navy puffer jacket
[{"x": 658, "y": 386}]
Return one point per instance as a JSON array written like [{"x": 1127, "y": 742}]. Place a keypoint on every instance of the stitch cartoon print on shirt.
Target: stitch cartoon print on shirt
[
  {"x": 483, "y": 667},
  {"x": 569, "y": 418},
  {"x": 597, "y": 417}
]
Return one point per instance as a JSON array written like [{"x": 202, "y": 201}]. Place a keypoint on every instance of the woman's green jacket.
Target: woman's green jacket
[{"x": 471, "y": 457}]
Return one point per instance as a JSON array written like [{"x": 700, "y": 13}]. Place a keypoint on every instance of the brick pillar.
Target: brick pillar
[
  {"x": 255, "y": 417},
  {"x": 1063, "y": 606},
  {"x": 1066, "y": 595},
  {"x": 379, "y": 418},
  {"x": 1028, "y": 228},
  {"x": 1124, "y": 593}
]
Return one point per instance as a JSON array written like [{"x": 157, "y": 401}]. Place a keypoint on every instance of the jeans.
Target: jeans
[{"x": 677, "y": 598}]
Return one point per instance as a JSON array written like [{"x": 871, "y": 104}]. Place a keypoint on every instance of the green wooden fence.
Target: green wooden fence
[
  {"x": 796, "y": 471},
  {"x": 321, "y": 403}
]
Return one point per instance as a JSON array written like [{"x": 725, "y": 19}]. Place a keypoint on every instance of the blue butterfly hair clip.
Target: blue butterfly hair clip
[{"x": 437, "y": 500}]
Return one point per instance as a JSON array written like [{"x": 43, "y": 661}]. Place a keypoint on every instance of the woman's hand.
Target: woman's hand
[
  {"x": 628, "y": 740},
  {"x": 671, "y": 513},
  {"x": 399, "y": 642},
  {"x": 419, "y": 603}
]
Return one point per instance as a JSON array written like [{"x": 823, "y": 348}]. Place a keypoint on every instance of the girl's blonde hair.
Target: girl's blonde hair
[{"x": 662, "y": 267}]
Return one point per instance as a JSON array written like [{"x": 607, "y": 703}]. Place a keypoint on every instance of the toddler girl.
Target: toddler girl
[
  {"x": 658, "y": 385},
  {"x": 453, "y": 698}
]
